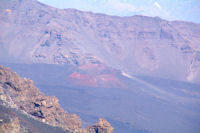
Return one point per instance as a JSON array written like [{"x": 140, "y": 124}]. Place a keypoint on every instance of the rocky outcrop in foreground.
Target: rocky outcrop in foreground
[
  {"x": 9, "y": 125},
  {"x": 21, "y": 94},
  {"x": 101, "y": 127}
]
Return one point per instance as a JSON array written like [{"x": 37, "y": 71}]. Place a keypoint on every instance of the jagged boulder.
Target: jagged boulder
[{"x": 101, "y": 127}]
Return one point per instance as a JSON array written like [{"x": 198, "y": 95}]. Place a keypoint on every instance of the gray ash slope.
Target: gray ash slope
[
  {"x": 146, "y": 105},
  {"x": 36, "y": 33}
]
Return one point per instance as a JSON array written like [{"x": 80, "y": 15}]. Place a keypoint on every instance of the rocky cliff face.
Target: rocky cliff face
[
  {"x": 22, "y": 95},
  {"x": 137, "y": 44},
  {"x": 9, "y": 125}
]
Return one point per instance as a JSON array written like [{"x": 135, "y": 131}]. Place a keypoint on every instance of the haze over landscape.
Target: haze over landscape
[
  {"x": 140, "y": 73},
  {"x": 187, "y": 10}
]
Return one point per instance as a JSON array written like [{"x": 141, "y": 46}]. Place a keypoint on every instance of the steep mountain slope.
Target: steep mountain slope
[{"x": 33, "y": 32}]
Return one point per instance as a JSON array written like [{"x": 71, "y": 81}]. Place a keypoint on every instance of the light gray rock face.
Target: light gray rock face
[{"x": 33, "y": 32}]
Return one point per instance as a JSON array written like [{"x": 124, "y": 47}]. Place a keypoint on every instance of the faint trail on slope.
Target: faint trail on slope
[{"x": 160, "y": 93}]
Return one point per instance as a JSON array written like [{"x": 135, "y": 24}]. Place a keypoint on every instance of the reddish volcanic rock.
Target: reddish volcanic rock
[
  {"x": 96, "y": 80},
  {"x": 82, "y": 79},
  {"x": 95, "y": 75}
]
